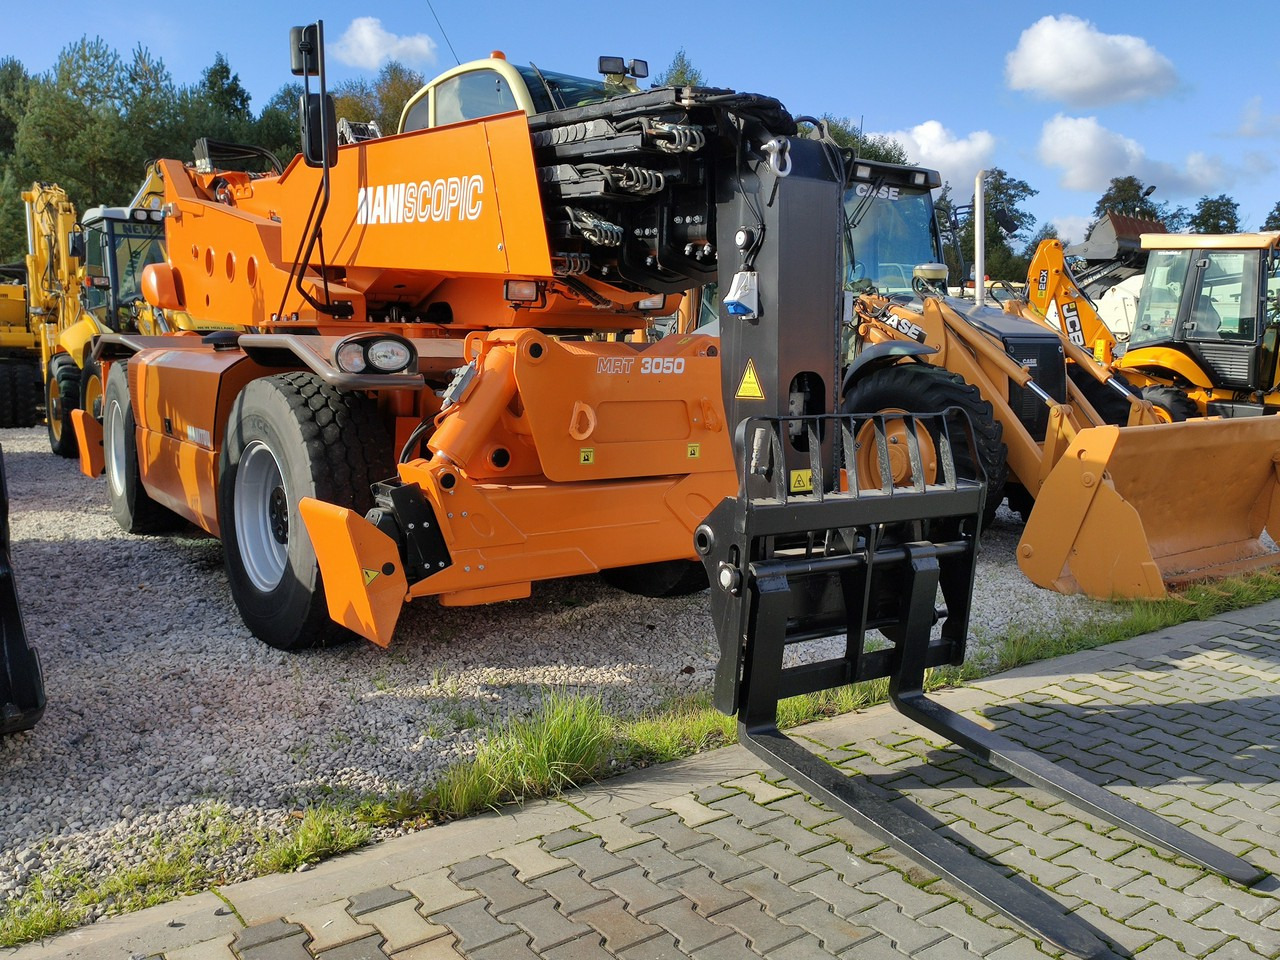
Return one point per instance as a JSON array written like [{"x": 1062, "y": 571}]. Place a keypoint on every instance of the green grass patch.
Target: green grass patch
[{"x": 568, "y": 742}]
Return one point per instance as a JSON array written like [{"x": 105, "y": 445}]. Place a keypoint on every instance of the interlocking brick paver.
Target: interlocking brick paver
[
  {"x": 965, "y": 807},
  {"x": 474, "y": 926},
  {"x": 675, "y": 835},
  {"x": 474, "y": 867},
  {"x": 659, "y": 862},
  {"x": 545, "y": 925},
  {"x": 620, "y": 929},
  {"x": 834, "y": 932},
  {"x": 777, "y": 897},
  {"x": 707, "y": 896},
  {"x": 530, "y": 860},
  {"x": 402, "y": 926},
  {"x": 852, "y": 868},
  {"x": 903, "y": 932},
  {"x": 1181, "y": 905},
  {"x": 723, "y": 864},
  {"x": 761, "y": 790},
  {"x": 640, "y": 815},
  {"x": 798, "y": 839},
  {"x": 1194, "y": 940},
  {"x": 361, "y": 903},
  {"x": 979, "y": 937},
  {"x": 1113, "y": 903},
  {"x": 435, "y": 891},
  {"x": 1044, "y": 847},
  {"x": 846, "y": 899},
  {"x": 275, "y": 933},
  {"x": 789, "y": 867},
  {"x": 1043, "y": 872},
  {"x": 952, "y": 948},
  {"x": 879, "y": 947},
  {"x": 1171, "y": 874},
  {"x": 1113, "y": 875},
  {"x": 553, "y": 842},
  {"x": 913, "y": 901},
  {"x": 593, "y": 859},
  {"x": 692, "y": 932},
  {"x": 370, "y": 948},
  {"x": 692, "y": 812},
  {"x": 501, "y": 888},
  {"x": 746, "y": 812},
  {"x": 763, "y": 933},
  {"x": 615, "y": 834},
  {"x": 570, "y": 890},
  {"x": 1264, "y": 939},
  {"x": 659, "y": 948},
  {"x": 1247, "y": 903},
  {"x": 804, "y": 811},
  {"x": 330, "y": 925},
  {"x": 717, "y": 791},
  {"x": 640, "y": 892}
]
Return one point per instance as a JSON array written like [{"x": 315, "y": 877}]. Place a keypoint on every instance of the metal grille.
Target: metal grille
[
  {"x": 1043, "y": 357},
  {"x": 1231, "y": 365}
]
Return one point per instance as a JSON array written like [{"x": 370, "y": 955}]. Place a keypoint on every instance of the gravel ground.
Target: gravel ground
[{"x": 166, "y": 714}]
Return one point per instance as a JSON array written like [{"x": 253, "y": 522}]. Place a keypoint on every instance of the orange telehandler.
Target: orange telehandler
[
  {"x": 474, "y": 295},
  {"x": 472, "y": 325}
]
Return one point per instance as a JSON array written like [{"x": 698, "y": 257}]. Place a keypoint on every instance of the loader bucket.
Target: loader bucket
[{"x": 1128, "y": 512}]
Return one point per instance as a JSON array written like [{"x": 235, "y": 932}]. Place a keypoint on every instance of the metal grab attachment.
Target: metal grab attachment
[{"x": 792, "y": 562}]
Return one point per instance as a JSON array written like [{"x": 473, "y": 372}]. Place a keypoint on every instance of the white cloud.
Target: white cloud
[
  {"x": 1255, "y": 123},
  {"x": 367, "y": 44},
  {"x": 1071, "y": 229},
  {"x": 930, "y": 144},
  {"x": 1069, "y": 59},
  {"x": 1089, "y": 156}
]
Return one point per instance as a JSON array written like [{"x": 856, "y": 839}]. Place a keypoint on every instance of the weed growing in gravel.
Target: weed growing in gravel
[
  {"x": 322, "y": 831},
  {"x": 36, "y": 914}
]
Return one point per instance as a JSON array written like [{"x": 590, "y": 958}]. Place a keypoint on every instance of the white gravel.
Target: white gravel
[{"x": 165, "y": 712}]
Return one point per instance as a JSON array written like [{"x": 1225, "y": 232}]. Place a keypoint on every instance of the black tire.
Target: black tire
[
  {"x": 1171, "y": 402},
  {"x": 20, "y": 392},
  {"x": 1111, "y": 407},
  {"x": 920, "y": 388},
  {"x": 131, "y": 505},
  {"x": 668, "y": 578},
  {"x": 61, "y": 396},
  {"x": 292, "y": 436}
]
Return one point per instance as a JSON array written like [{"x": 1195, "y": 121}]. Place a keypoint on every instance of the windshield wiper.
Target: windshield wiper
[
  {"x": 554, "y": 97},
  {"x": 864, "y": 204}
]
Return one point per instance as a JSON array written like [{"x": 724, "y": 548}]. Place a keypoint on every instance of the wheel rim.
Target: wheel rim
[
  {"x": 93, "y": 396},
  {"x": 53, "y": 408},
  {"x": 867, "y": 456},
  {"x": 261, "y": 510},
  {"x": 115, "y": 455}
]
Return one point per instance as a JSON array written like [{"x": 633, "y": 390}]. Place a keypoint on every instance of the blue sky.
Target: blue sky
[{"x": 1062, "y": 96}]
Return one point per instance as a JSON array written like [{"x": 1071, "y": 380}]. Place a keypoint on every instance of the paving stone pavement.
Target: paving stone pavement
[{"x": 718, "y": 857}]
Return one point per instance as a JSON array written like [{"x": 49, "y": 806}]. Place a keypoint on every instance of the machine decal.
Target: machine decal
[
  {"x": 662, "y": 365},
  {"x": 694, "y": 451},
  {"x": 801, "y": 481},
  {"x": 587, "y": 456},
  {"x": 446, "y": 199},
  {"x": 749, "y": 386},
  {"x": 369, "y": 575},
  {"x": 1071, "y": 320},
  {"x": 615, "y": 365},
  {"x": 884, "y": 193},
  {"x": 903, "y": 325}
]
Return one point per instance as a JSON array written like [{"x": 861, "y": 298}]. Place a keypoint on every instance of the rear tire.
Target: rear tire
[
  {"x": 292, "y": 436},
  {"x": 920, "y": 388},
  {"x": 61, "y": 396},
  {"x": 131, "y": 505},
  {"x": 667, "y": 578},
  {"x": 91, "y": 389},
  {"x": 19, "y": 393},
  {"x": 1171, "y": 403}
]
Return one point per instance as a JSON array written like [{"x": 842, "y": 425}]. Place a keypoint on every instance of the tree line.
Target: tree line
[
  {"x": 93, "y": 121},
  {"x": 96, "y": 118}
]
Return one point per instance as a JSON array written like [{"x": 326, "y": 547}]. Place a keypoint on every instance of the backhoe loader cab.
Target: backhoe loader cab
[
  {"x": 890, "y": 226},
  {"x": 118, "y": 243},
  {"x": 1216, "y": 300}
]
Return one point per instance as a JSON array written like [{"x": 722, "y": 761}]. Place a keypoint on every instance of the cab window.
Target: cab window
[
  {"x": 1161, "y": 296},
  {"x": 480, "y": 93},
  {"x": 1226, "y": 298}
]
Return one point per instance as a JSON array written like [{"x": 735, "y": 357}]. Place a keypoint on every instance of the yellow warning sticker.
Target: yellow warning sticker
[
  {"x": 694, "y": 451},
  {"x": 369, "y": 575},
  {"x": 749, "y": 386},
  {"x": 587, "y": 455},
  {"x": 801, "y": 481}
]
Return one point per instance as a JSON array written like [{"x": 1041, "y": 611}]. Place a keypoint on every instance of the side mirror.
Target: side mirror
[
  {"x": 304, "y": 51},
  {"x": 319, "y": 139},
  {"x": 75, "y": 245}
]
